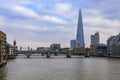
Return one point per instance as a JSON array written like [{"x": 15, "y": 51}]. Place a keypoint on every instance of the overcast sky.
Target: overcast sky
[{"x": 43, "y": 22}]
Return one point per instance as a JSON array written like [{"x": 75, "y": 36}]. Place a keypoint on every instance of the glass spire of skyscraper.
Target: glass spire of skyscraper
[{"x": 80, "y": 33}]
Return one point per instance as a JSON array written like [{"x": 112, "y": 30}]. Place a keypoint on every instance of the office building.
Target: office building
[
  {"x": 43, "y": 49},
  {"x": 40, "y": 48},
  {"x": 54, "y": 47}
]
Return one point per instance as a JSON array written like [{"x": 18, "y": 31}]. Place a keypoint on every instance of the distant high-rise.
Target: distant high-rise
[
  {"x": 95, "y": 39},
  {"x": 94, "y": 42},
  {"x": 73, "y": 43},
  {"x": 80, "y": 33}
]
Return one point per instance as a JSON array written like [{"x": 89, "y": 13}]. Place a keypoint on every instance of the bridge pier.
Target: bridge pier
[
  {"x": 48, "y": 55},
  {"x": 42, "y": 54},
  {"x": 87, "y": 55},
  {"x": 68, "y": 55},
  {"x": 28, "y": 55},
  {"x": 56, "y": 54}
]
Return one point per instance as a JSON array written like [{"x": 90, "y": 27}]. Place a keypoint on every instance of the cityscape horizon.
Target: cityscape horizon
[
  {"x": 35, "y": 24},
  {"x": 59, "y": 40}
]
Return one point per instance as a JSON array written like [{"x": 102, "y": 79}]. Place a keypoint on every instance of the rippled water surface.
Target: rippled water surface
[{"x": 61, "y": 68}]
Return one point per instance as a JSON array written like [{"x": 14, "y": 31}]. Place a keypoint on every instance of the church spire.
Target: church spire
[{"x": 14, "y": 42}]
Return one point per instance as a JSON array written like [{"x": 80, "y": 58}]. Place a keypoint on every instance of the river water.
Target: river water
[{"x": 61, "y": 68}]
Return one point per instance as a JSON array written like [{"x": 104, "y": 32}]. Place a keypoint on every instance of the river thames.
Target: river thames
[{"x": 61, "y": 68}]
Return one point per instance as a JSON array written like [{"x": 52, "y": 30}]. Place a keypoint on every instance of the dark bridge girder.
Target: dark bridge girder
[{"x": 48, "y": 53}]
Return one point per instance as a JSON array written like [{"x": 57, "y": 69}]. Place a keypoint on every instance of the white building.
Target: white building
[
  {"x": 94, "y": 42},
  {"x": 113, "y": 45},
  {"x": 73, "y": 43},
  {"x": 95, "y": 39},
  {"x": 10, "y": 49}
]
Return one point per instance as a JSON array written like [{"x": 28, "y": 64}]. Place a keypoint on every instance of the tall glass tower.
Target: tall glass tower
[{"x": 80, "y": 33}]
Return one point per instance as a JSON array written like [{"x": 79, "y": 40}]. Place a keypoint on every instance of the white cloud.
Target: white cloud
[
  {"x": 19, "y": 10},
  {"x": 63, "y": 7},
  {"x": 53, "y": 19},
  {"x": 23, "y": 25},
  {"x": 26, "y": 12},
  {"x": 25, "y": 2},
  {"x": 97, "y": 21}
]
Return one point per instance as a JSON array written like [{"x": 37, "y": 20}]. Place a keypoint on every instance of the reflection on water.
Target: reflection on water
[
  {"x": 3, "y": 73},
  {"x": 61, "y": 68}
]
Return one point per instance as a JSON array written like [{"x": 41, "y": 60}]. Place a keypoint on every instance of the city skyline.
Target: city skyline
[{"x": 41, "y": 23}]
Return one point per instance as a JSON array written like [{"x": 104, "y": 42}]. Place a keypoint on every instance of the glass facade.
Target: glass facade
[
  {"x": 73, "y": 43},
  {"x": 80, "y": 33}
]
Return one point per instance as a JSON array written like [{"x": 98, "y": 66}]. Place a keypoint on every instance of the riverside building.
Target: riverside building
[
  {"x": 2, "y": 48},
  {"x": 113, "y": 45},
  {"x": 94, "y": 42}
]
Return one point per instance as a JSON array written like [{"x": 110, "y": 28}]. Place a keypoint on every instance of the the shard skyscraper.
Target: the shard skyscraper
[{"x": 80, "y": 33}]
